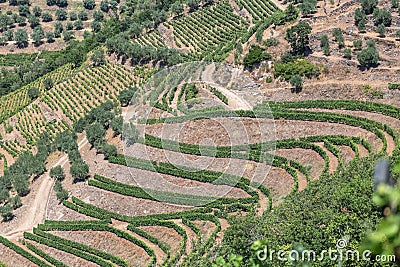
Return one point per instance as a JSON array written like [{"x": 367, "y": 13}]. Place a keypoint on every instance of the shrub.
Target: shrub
[
  {"x": 297, "y": 82},
  {"x": 347, "y": 53},
  {"x": 301, "y": 67},
  {"x": 57, "y": 173},
  {"x": 33, "y": 93},
  {"x": 256, "y": 55},
  {"x": 79, "y": 171},
  {"x": 368, "y": 57},
  {"x": 357, "y": 44}
]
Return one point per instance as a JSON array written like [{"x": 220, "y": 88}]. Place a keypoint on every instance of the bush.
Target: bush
[
  {"x": 109, "y": 150},
  {"x": 57, "y": 173},
  {"x": 79, "y": 171},
  {"x": 357, "y": 44},
  {"x": 368, "y": 57},
  {"x": 301, "y": 67},
  {"x": 297, "y": 82},
  {"x": 33, "y": 93},
  {"x": 89, "y": 4},
  {"x": 95, "y": 133},
  {"x": 256, "y": 55},
  {"x": 347, "y": 53}
]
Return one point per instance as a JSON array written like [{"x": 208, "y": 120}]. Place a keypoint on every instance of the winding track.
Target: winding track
[{"x": 36, "y": 213}]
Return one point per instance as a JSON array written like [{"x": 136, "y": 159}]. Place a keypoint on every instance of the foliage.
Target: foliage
[
  {"x": 342, "y": 200},
  {"x": 57, "y": 173},
  {"x": 256, "y": 55},
  {"x": 33, "y": 93},
  {"x": 297, "y": 82},
  {"x": 382, "y": 16},
  {"x": 301, "y": 67},
  {"x": 89, "y": 4},
  {"x": 381, "y": 30},
  {"x": 299, "y": 37},
  {"x": 368, "y": 6},
  {"x": 308, "y": 7},
  {"x": 368, "y": 57},
  {"x": 126, "y": 96},
  {"x": 347, "y": 53},
  {"x": 98, "y": 57},
  {"x": 384, "y": 240},
  {"x": 79, "y": 170}
]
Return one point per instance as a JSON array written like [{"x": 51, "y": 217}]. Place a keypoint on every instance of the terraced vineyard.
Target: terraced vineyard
[
  {"x": 144, "y": 207},
  {"x": 74, "y": 93}
]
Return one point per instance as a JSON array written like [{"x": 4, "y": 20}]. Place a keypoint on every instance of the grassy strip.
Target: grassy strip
[{"x": 45, "y": 256}]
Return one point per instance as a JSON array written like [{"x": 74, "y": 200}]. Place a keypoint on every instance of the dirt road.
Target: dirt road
[
  {"x": 234, "y": 101},
  {"x": 36, "y": 213}
]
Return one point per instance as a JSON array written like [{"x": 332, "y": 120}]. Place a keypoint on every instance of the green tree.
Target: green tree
[
  {"x": 98, "y": 15},
  {"x": 381, "y": 30},
  {"x": 33, "y": 21},
  {"x": 109, "y": 150},
  {"x": 368, "y": 6},
  {"x": 33, "y": 93},
  {"x": 82, "y": 15},
  {"x": 297, "y": 82},
  {"x": 6, "y": 212},
  {"x": 89, "y": 4},
  {"x": 98, "y": 58},
  {"x": 37, "y": 11},
  {"x": 15, "y": 202},
  {"x": 176, "y": 8},
  {"x": 95, "y": 133},
  {"x": 347, "y": 53},
  {"x": 68, "y": 36},
  {"x": 38, "y": 35},
  {"x": 48, "y": 83},
  {"x": 338, "y": 34},
  {"x": 291, "y": 13},
  {"x": 357, "y": 44},
  {"x": 193, "y": 4},
  {"x": 256, "y": 55},
  {"x": 21, "y": 38},
  {"x": 62, "y": 195},
  {"x": 58, "y": 29},
  {"x": 368, "y": 57},
  {"x": 69, "y": 26},
  {"x": 73, "y": 16},
  {"x": 382, "y": 16},
  {"x": 325, "y": 44},
  {"x": 308, "y": 7},
  {"x": 104, "y": 6},
  {"x": 398, "y": 35},
  {"x": 96, "y": 26},
  {"x": 125, "y": 97},
  {"x": 116, "y": 125},
  {"x": 299, "y": 37},
  {"x": 395, "y": 3},
  {"x": 21, "y": 184},
  {"x": 79, "y": 171},
  {"x": 61, "y": 14},
  {"x": 78, "y": 25},
  {"x": 50, "y": 37},
  {"x": 57, "y": 173},
  {"x": 47, "y": 17},
  {"x": 361, "y": 26},
  {"x": 23, "y": 10}
]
